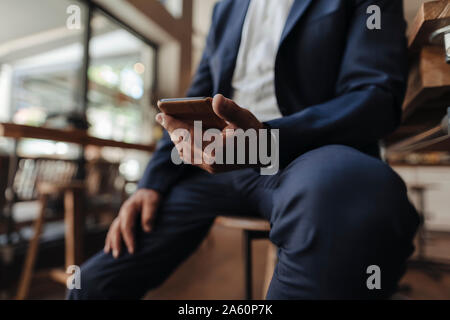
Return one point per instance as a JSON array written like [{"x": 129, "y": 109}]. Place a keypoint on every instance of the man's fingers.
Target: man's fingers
[
  {"x": 127, "y": 222},
  {"x": 170, "y": 123},
  {"x": 107, "y": 247},
  {"x": 231, "y": 112},
  {"x": 144, "y": 202},
  {"x": 115, "y": 239},
  {"x": 148, "y": 214}
]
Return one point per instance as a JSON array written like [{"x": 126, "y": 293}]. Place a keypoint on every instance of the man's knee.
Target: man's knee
[
  {"x": 339, "y": 207},
  {"x": 358, "y": 187},
  {"x": 338, "y": 182},
  {"x": 338, "y": 172}
]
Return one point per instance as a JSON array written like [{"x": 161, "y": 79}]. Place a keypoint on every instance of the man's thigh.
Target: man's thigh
[
  {"x": 334, "y": 213},
  {"x": 183, "y": 220}
]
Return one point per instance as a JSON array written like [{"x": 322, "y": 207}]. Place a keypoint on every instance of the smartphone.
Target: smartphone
[{"x": 192, "y": 109}]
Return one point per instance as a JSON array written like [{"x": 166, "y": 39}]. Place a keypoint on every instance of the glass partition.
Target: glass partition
[
  {"x": 40, "y": 59},
  {"x": 43, "y": 74},
  {"x": 41, "y": 62},
  {"x": 121, "y": 81}
]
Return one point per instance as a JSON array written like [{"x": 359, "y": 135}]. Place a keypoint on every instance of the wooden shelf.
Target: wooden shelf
[
  {"x": 432, "y": 15},
  {"x": 80, "y": 137},
  {"x": 433, "y": 140},
  {"x": 429, "y": 82},
  {"x": 429, "y": 77},
  {"x": 428, "y": 89}
]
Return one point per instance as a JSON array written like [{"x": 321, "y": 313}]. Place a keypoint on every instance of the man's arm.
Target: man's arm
[
  {"x": 369, "y": 91},
  {"x": 161, "y": 172}
]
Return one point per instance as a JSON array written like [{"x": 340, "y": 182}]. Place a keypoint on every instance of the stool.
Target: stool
[
  {"x": 73, "y": 220},
  {"x": 252, "y": 229}
]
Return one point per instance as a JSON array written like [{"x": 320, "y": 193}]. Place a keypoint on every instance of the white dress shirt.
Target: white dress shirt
[{"x": 253, "y": 80}]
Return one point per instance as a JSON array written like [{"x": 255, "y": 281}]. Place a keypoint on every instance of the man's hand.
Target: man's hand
[
  {"x": 236, "y": 118},
  {"x": 144, "y": 202}
]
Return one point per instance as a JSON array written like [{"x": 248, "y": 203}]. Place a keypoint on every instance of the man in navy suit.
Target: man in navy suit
[{"x": 333, "y": 87}]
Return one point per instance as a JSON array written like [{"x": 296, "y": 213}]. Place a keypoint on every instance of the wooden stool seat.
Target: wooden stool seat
[{"x": 244, "y": 223}]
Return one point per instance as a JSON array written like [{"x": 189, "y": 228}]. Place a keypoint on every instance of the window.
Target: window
[
  {"x": 43, "y": 75},
  {"x": 121, "y": 80},
  {"x": 40, "y": 60},
  {"x": 175, "y": 7}
]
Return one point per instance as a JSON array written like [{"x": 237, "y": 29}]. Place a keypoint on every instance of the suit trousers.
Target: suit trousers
[{"x": 334, "y": 214}]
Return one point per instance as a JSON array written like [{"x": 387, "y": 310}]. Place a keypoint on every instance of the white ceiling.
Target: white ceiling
[
  {"x": 42, "y": 15},
  {"x": 39, "y": 16},
  {"x": 35, "y": 16}
]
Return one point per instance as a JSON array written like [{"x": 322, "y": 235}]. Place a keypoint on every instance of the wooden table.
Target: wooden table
[{"x": 77, "y": 136}]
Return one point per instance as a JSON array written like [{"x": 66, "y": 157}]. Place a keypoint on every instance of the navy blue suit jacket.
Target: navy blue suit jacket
[{"x": 337, "y": 82}]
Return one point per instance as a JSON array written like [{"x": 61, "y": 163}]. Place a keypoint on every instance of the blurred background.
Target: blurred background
[{"x": 78, "y": 86}]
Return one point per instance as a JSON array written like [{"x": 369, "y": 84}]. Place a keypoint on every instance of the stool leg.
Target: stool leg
[
  {"x": 74, "y": 225},
  {"x": 30, "y": 259},
  {"x": 248, "y": 264},
  {"x": 270, "y": 267}
]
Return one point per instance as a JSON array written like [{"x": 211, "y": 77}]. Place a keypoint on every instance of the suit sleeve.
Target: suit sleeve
[
  {"x": 369, "y": 91},
  {"x": 161, "y": 173}
]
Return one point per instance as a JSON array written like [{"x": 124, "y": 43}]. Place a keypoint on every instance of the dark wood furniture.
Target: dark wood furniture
[
  {"x": 35, "y": 186},
  {"x": 426, "y": 109},
  {"x": 74, "y": 226},
  {"x": 76, "y": 136},
  {"x": 427, "y": 100}
]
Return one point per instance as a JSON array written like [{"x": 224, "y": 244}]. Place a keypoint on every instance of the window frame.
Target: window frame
[{"x": 92, "y": 7}]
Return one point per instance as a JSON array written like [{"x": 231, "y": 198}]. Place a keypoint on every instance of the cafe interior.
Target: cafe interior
[{"x": 77, "y": 109}]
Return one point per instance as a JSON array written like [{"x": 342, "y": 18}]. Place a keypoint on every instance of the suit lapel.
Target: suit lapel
[{"x": 298, "y": 9}]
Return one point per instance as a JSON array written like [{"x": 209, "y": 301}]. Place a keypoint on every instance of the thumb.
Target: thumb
[{"x": 231, "y": 112}]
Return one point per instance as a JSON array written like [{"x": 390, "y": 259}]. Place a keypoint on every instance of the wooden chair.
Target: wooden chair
[
  {"x": 74, "y": 227},
  {"x": 252, "y": 229},
  {"x": 33, "y": 171},
  {"x": 4, "y": 164},
  {"x": 101, "y": 176},
  {"x": 45, "y": 180}
]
